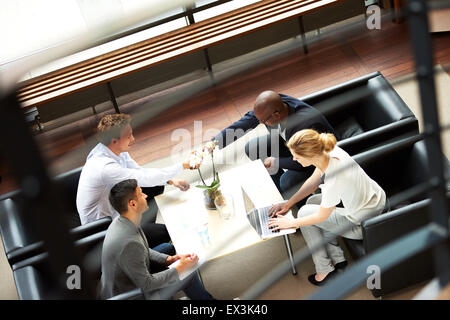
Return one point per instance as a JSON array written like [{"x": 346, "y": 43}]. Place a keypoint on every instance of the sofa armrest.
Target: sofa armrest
[
  {"x": 31, "y": 261},
  {"x": 90, "y": 228},
  {"x": 25, "y": 252},
  {"x": 382, "y": 135},
  {"x": 337, "y": 89},
  {"x": 135, "y": 294},
  {"x": 77, "y": 233},
  {"x": 42, "y": 255},
  {"x": 383, "y": 229}
]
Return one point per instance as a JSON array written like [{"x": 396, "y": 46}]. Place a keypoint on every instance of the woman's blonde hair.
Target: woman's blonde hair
[{"x": 309, "y": 143}]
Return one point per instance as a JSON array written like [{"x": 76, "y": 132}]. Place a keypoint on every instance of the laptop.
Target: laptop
[{"x": 259, "y": 219}]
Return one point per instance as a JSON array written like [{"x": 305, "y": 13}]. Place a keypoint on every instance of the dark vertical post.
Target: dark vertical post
[
  {"x": 302, "y": 33},
  {"x": 392, "y": 8},
  {"x": 112, "y": 97},
  {"x": 208, "y": 61},
  {"x": 190, "y": 15},
  {"x": 423, "y": 56},
  {"x": 191, "y": 20}
]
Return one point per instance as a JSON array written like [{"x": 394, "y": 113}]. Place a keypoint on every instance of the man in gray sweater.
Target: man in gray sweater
[{"x": 129, "y": 263}]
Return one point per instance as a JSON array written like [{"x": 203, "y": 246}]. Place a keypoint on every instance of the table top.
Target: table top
[{"x": 184, "y": 213}]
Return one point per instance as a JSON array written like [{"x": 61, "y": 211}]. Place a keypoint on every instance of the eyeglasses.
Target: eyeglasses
[{"x": 268, "y": 118}]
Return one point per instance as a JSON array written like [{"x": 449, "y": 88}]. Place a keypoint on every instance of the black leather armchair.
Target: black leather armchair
[
  {"x": 18, "y": 236},
  {"x": 32, "y": 277},
  {"x": 370, "y": 119},
  {"x": 404, "y": 166}
]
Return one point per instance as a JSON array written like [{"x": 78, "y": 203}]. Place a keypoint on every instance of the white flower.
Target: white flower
[
  {"x": 195, "y": 160},
  {"x": 210, "y": 146},
  {"x": 204, "y": 152},
  {"x": 201, "y": 153}
]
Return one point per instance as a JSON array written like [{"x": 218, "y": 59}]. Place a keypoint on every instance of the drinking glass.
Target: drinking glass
[{"x": 225, "y": 205}]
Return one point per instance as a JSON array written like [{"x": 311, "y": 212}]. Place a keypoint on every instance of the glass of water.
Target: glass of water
[
  {"x": 203, "y": 233},
  {"x": 225, "y": 205}
]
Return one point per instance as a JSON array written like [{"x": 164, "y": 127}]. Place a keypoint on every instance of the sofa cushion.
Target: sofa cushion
[
  {"x": 349, "y": 128},
  {"x": 355, "y": 247}
]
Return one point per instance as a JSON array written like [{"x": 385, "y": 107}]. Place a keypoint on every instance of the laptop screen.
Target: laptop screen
[{"x": 249, "y": 205}]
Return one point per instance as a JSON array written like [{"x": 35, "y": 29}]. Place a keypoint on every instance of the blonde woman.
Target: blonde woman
[{"x": 340, "y": 179}]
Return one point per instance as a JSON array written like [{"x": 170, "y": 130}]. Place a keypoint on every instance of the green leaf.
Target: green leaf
[
  {"x": 215, "y": 182},
  {"x": 215, "y": 186},
  {"x": 202, "y": 187}
]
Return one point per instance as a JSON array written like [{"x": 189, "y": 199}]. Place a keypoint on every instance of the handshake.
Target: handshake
[
  {"x": 196, "y": 157},
  {"x": 193, "y": 162}
]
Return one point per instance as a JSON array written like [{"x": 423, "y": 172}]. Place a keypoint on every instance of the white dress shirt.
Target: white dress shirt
[
  {"x": 103, "y": 169},
  {"x": 282, "y": 129}
]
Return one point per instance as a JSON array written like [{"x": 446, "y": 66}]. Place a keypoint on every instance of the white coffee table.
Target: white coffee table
[{"x": 184, "y": 214}]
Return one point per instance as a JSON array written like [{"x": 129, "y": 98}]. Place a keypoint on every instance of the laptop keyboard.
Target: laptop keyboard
[{"x": 264, "y": 214}]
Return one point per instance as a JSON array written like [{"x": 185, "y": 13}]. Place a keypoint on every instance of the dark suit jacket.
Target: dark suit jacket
[{"x": 301, "y": 116}]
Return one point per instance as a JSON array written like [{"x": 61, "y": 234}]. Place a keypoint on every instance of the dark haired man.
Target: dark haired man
[{"x": 129, "y": 263}]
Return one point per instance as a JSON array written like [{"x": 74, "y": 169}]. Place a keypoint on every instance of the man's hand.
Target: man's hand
[
  {"x": 278, "y": 209},
  {"x": 269, "y": 162},
  {"x": 172, "y": 259},
  {"x": 180, "y": 184},
  {"x": 281, "y": 222},
  {"x": 187, "y": 261}
]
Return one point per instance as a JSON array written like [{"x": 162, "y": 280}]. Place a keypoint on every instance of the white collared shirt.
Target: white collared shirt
[
  {"x": 282, "y": 129},
  {"x": 103, "y": 169}
]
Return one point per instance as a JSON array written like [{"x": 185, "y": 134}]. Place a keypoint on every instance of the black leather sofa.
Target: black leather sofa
[
  {"x": 402, "y": 167},
  {"x": 18, "y": 236},
  {"x": 365, "y": 112},
  {"x": 32, "y": 275}
]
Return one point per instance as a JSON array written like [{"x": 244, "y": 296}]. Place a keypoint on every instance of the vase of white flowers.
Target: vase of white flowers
[{"x": 212, "y": 190}]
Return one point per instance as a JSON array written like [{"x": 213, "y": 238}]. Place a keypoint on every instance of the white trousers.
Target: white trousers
[{"x": 326, "y": 257}]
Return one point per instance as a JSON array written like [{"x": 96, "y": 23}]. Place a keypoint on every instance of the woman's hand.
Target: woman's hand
[
  {"x": 280, "y": 208},
  {"x": 281, "y": 222}
]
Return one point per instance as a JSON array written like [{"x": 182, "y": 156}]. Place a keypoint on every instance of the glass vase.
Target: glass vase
[{"x": 209, "y": 197}]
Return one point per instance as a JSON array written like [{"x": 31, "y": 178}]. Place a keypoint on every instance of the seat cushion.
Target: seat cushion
[
  {"x": 355, "y": 247},
  {"x": 349, "y": 128}
]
